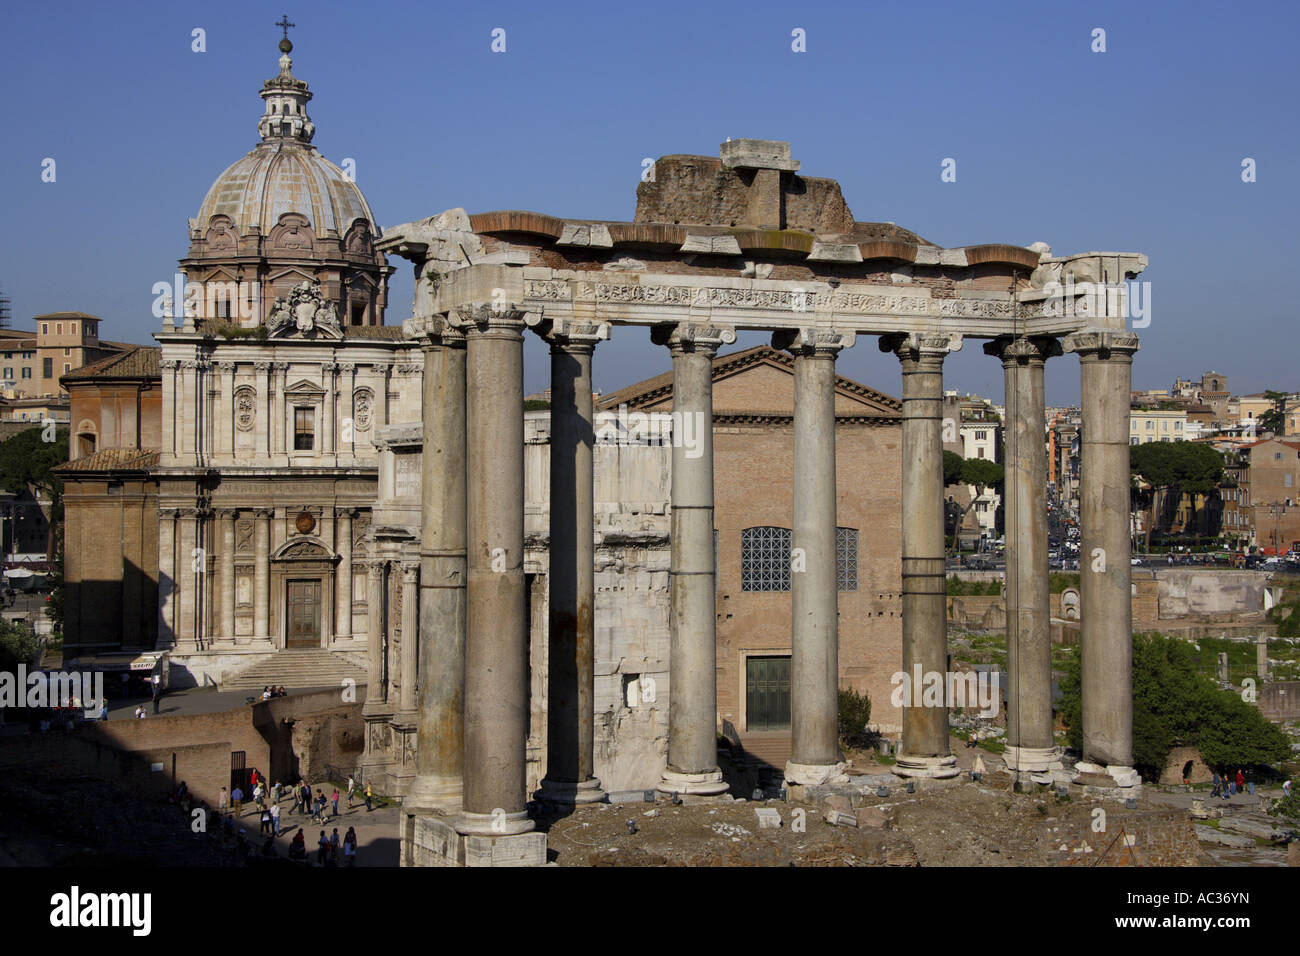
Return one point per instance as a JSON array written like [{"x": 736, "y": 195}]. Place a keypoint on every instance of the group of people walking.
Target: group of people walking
[
  {"x": 1227, "y": 784},
  {"x": 320, "y": 807}
]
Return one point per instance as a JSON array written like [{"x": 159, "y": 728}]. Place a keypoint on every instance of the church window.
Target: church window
[
  {"x": 846, "y": 559},
  {"x": 45, "y": 328},
  {"x": 304, "y": 429},
  {"x": 358, "y": 313},
  {"x": 48, "y": 367},
  {"x": 86, "y": 443},
  {"x": 765, "y": 559}
]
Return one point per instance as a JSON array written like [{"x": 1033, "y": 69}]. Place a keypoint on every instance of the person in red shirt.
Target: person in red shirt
[{"x": 1241, "y": 781}]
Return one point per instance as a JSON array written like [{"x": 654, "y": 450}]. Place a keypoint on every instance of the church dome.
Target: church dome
[
  {"x": 285, "y": 173},
  {"x": 280, "y": 177}
]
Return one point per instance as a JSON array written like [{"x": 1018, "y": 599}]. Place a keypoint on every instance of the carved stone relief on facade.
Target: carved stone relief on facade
[
  {"x": 363, "y": 403},
  {"x": 244, "y": 535},
  {"x": 245, "y": 408}
]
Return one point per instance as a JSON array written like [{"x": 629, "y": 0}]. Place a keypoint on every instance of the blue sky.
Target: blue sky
[{"x": 1136, "y": 149}]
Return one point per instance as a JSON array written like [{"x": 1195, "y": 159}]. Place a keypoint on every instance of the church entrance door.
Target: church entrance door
[{"x": 303, "y": 618}]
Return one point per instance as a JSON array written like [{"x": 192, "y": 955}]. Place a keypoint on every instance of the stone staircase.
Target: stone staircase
[
  {"x": 295, "y": 670},
  {"x": 766, "y": 754}
]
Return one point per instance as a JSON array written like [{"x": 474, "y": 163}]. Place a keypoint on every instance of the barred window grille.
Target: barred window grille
[
  {"x": 846, "y": 559},
  {"x": 765, "y": 559}
]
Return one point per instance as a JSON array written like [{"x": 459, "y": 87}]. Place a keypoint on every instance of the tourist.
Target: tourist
[
  {"x": 222, "y": 798},
  {"x": 323, "y": 848},
  {"x": 1286, "y": 788},
  {"x": 298, "y": 847},
  {"x": 268, "y": 848},
  {"x": 139, "y": 712},
  {"x": 103, "y": 710},
  {"x": 1218, "y": 785},
  {"x": 306, "y": 797},
  {"x": 352, "y": 787},
  {"x": 157, "y": 691},
  {"x": 259, "y": 796},
  {"x": 275, "y": 819},
  {"x": 1241, "y": 781},
  {"x": 369, "y": 797},
  {"x": 237, "y": 800},
  {"x": 266, "y": 822},
  {"x": 334, "y": 846},
  {"x": 266, "y": 693},
  {"x": 350, "y": 846},
  {"x": 334, "y": 799}
]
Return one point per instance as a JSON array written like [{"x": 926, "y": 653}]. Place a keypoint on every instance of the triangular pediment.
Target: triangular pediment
[{"x": 757, "y": 381}]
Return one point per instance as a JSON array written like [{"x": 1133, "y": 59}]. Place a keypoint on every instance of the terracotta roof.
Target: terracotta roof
[
  {"x": 138, "y": 361},
  {"x": 660, "y": 386},
  {"x": 113, "y": 459}
]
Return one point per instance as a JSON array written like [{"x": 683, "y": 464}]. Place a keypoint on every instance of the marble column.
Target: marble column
[
  {"x": 410, "y": 634},
  {"x": 225, "y": 420},
  {"x": 265, "y": 426},
  {"x": 377, "y": 692},
  {"x": 1031, "y": 747},
  {"x": 343, "y": 576},
  {"x": 328, "y": 372},
  {"x": 280, "y": 411},
  {"x": 348, "y": 441},
  {"x": 692, "y": 670},
  {"x": 262, "y": 575},
  {"x": 226, "y": 627},
  {"x": 439, "y": 760},
  {"x": 496, "y": 646},
  {"x": 189, "y": 578},
  {"x": 814, "y": 666},
  {"x": 166, "y": 578},
  {"x": 1105, "y": 602},
  {"x": 170, "y": 409},
  {"x": 925, "y": 749},
  {"x": 188, "y": 424},
  {"x": 571, "y": 651}
]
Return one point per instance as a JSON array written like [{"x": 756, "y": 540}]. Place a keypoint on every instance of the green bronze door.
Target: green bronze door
[{"x": 767, "y": 693}]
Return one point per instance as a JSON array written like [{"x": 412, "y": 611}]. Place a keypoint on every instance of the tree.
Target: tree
[
  {"x": 27, "y": 463},
  {"x": 18, "y": 645},
  {"x": 982, "y": 473},
  {"x": 1274, "y": 419},
  {"x": 1184, "y": 466},
  {"x": 952, "y": 463},
  {"x": 1173, "y": 705}
]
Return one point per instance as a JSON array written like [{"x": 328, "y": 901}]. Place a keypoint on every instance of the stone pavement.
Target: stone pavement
[{"x": 377, "y": 843}]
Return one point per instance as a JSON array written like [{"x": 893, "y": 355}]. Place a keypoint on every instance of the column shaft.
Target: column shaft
[
  {"x": 262, "y": 575},
  {"x": 570, "y": 734},
  {"x": 925, "y": 750},
  {"x": 439, "y": 760},
  {"x": 410, "y": 635},
  {"x": 1030, "y": 744},
  {"x": 375, "y": 623},
  {"x": 227, "y": 623},
  {"x": 343, "y": 579},
  {"x": 692, "y": 671},
  {"x": 496, "y": 653},
  {"x": 814, "y": 691},
  {"x": 1106, "y": 626}
]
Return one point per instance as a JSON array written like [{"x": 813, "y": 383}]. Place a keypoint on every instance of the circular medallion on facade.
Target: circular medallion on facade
[{"x": 306, "y": 523}]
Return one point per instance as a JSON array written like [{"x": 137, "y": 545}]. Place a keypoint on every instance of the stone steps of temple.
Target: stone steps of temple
[
  {"x": 295, "y": 670},
  {"x": 771, "y": 749}
]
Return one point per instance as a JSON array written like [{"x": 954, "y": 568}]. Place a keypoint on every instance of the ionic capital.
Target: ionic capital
[
  {"x": 572, "y": 335},
  {"x": 1102, "y": 344},
  {"x": 698, "y": 337},
  {"x": 929, "y": 348},
  {"x": 1022, "y": 350},
  {"x": 813, "y": 343},
  {"x": 434, "y": 332},
  {"x": 486, "y": 318}
]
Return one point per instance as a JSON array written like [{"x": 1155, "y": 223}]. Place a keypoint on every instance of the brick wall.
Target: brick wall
[{"x": 1155, "y": 838}]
